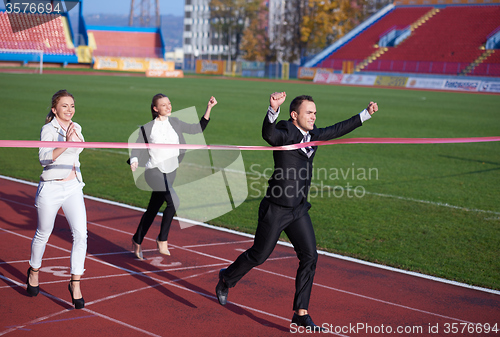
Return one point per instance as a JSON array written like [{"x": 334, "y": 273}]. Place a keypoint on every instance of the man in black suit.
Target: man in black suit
[{"x": 285, "y": 206}]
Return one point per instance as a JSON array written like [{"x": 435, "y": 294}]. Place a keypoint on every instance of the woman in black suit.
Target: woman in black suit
[{"x": 161, "y": 166}]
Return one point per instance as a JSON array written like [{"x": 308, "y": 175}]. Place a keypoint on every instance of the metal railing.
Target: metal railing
[{"x": 419, "y": 67}]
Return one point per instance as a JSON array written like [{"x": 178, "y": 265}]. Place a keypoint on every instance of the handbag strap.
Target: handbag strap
[
  {"x": 144, "y": 135},
  {"x": 145, "y": 140}
]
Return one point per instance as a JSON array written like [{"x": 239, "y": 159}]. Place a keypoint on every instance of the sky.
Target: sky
[{"x": 174, "y": 7}]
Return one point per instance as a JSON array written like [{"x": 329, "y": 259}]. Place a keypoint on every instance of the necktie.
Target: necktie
[{"x": 308, "y": 150}]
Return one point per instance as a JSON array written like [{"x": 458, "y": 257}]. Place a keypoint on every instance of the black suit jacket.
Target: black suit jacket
[
  {"x": 289, "y": 185},
  {"x": 179, "y": 127}
]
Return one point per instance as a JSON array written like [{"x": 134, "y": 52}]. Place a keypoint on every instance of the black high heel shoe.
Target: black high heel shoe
[
  {"x": 32, "y": 291},
  {"x": 79, "y": 303}
]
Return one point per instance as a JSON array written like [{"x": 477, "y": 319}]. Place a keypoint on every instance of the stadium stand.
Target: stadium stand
[
  {"x": 52, "y": 36},
  {"x": 461, "y": 31},
  {"x": 126, "y": 41},
  {"x": 27, "y": 38},
  {"x": 440, "y": 38},
  {"x": 489, "y": 66},
  {"x": 364, "y": 45}
]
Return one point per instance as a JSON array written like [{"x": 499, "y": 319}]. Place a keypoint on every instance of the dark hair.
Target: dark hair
[
  {"x": 55, "y": 99},
  {"x": 154, "y": 102},
  {"x": 297, "y": 101}
]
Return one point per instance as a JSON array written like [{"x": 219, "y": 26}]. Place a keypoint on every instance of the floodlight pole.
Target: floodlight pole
[
  {"x": 145, "y": 13},
  {"x": 131, "y": 17}
]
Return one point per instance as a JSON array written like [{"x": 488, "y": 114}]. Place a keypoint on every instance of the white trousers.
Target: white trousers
[{"x": 50, "y": 196}]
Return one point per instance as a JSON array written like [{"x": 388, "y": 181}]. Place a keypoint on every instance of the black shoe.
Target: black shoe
[
  {"x": 221, "y": 290},
  {"x": 306, "y": 321},
  {"x": 79, "y": 303},
  {"x": 32, "y": 291}
]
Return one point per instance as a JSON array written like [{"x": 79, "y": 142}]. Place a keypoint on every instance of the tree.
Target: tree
[
  {"x": 325, "y": 21},
  {"x": 373, "y": 6},
  {"x": 303, "y": 27},
  {"x": 318, "y": 22},
  {"x": 255, "y": 43},
  {"x": 350, "y": 14}
]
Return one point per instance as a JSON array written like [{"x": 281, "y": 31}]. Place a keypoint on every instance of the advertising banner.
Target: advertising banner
[
  {"x": 107, "y": 63},
  {"x": 321, "y": 77},
  {"x": 159, "y": 64},
  {"x": 391, "y": 81},
  {"x": 328, "y": 78},
  {"x": 210, "y": 67},
  {"x": 253, "y": 69},
  {"x": 359, "y": 79},
  {"x": 425, "y": 83},
  {"x": 489, "y": 86},
  {"x": 462, "y": 85},
  {"x": 335, "y": 78},
  {"x": 132, "y": 64},
  {"x": 164, "y": 73},
  {"x": 306, "y": 73}
]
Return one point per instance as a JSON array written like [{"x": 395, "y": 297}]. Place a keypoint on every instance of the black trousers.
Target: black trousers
[
  {"x": 296, "y": 223},
  {"x": 161, "y": 184}
]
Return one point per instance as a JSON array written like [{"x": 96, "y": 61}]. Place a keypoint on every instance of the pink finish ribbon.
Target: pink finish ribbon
[{"x": 106, "y": 145}]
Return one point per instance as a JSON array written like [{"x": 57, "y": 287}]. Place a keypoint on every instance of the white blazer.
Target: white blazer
[{"x": 62, "y": 166}]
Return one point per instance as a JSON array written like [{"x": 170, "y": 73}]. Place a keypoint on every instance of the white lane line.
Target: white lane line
[
  {"x": 218, "y": 244},
  {"x": 277, "y": 274},
  {"x": 159, "y": 281},
  {"x": 41, "y": 319},
  {"x": 315, "y": 284},
  {"x": 434, "y": 203}
]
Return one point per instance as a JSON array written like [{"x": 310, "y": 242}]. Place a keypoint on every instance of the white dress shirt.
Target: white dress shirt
[
  {"x": 62, "y": 166},
  {"x": 273, "y": 115},
  {"x": 166, "y": 160}
]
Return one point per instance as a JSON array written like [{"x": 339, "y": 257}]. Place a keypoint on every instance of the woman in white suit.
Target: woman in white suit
[{"x": 61, "y": 185}]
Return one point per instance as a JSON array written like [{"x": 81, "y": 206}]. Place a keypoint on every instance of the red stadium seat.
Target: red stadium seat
[
  {"x": 127, "y": 44},
  {"x": 453, "y": 36},
  {"x": 362, "y": 45},
  {"x": 489, "y": 67},
  {"x": 447, "y": 43},
  {"x": 48, "y": 36}
]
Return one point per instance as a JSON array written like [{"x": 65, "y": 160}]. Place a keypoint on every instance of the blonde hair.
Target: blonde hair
[{"x": 55, "y": 99}]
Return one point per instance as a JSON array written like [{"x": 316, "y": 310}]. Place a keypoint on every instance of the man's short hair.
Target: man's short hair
[{"x": 297, "y": 101}]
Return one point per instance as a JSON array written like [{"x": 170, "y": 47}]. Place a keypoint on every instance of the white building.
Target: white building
[
  {"x": 202, "y": 41},
  {"x": 199, "y": 39}
]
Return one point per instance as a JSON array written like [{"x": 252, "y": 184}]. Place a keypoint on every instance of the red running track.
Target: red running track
[{"x": 174, "y": 296}]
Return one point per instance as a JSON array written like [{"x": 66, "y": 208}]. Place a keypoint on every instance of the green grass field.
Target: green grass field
[{"x": 428, "y": 208}]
